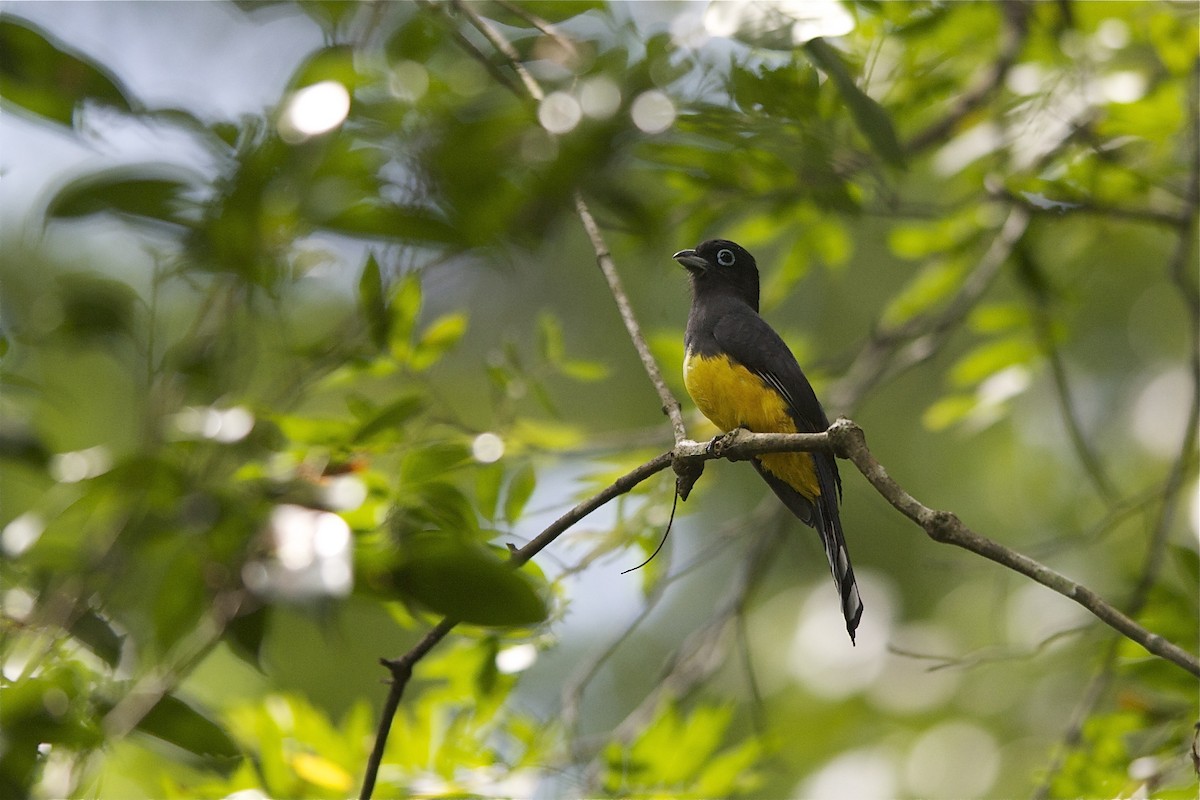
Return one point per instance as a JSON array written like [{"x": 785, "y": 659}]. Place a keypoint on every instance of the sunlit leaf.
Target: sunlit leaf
[
  {"x": 438, "y": 337},
  {"x": 991, "y": 357}
]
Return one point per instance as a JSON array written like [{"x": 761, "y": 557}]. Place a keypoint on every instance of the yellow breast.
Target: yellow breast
[{"x": 733, "y": 397}]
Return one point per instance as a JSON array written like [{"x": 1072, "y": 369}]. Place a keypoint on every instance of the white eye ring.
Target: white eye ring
[{"x": 725, "y": 257}]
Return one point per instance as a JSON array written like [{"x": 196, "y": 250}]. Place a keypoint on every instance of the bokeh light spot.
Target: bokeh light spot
[
  {"x": 952, "y": 760},
  {"x": 559, "y": 112},
  {"x": 409, "y": 81},
  {"x": 517, "y": 658},
  {"x": 487, "y": 448},
  {"x": 599, "y": 97},
  {"x": 653, "y": 111},
  {"x": 314, "y": 110}
]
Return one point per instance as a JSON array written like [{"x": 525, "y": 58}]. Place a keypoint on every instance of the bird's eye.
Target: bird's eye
[{"x": 725, "y": 258}]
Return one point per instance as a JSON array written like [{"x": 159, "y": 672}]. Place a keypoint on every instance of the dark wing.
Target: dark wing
[{"x": 750, "y": 341}]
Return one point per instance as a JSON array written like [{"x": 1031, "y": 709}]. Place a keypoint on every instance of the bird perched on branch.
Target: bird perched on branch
[{"x": 741, "y": 374}]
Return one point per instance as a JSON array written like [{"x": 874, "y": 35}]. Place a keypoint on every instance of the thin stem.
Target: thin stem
[{"x": 604, "y": 259}]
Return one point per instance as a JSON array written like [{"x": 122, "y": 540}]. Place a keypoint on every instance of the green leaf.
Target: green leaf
[
  {"x": 438, "y": 337},
  {"x": 584, "y": 371},
  {"x": 432, "y": 461},
  {"x": 389, "y": 418},
  {"x": 550, "y": 338},
  {"x": 946, "y": 412},
  {"x": 991, "y": 357},
  {"x": 404, "y": 306},
  {"x": 372, "y": 303},
  {"x": 935, "y": 282},
  {"x": 870, "y": 117},
  {"x": 391, "y": 222},
  {"x": 488, "y": 480},
  {"x": 334, "y": 63},
  {"x": 186, "y": 726},
  {"x": 95, "y": 307},
  {"x": 46, "y": 78},
  {"x": 466, "y": 583},
  {"x": 246, "y": 634},
  {"x": 147, "y": 191},
  {"x": 549, "y": 10},
  {"x": 520, "y": 489},
  {"x": 98, "y": 635}
]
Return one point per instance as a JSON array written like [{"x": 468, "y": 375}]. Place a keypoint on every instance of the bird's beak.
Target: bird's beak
[{"x": 691, "y": 260}]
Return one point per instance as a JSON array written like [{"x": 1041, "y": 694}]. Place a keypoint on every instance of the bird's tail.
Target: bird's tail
[{"x": 822, "y": 514}]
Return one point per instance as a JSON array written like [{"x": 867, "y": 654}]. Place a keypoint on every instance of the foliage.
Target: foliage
[{"x": 274, "y": 397}]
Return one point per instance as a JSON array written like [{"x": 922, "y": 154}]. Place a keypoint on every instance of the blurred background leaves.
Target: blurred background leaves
[{"x": 298, "y": 330}]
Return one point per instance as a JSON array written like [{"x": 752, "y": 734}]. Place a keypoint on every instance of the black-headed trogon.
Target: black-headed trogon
[{"x": 741, "y": 374}]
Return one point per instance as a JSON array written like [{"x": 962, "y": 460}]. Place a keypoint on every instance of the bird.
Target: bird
[{"x": 741, "y": 374}]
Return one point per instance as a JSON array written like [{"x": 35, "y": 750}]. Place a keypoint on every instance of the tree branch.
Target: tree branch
[
  {"x": 898, "y": 348},
  {"x": 670, "y": 405},
  {"x": 945, "y": 527},
  {"x": 848, "y": 441}
]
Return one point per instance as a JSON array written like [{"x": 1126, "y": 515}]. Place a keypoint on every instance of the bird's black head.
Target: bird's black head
[{"x": 721, "y": 264}]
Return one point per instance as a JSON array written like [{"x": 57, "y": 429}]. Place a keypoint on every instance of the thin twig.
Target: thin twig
[
  {"x": 1016, "y": 16},
  {"x": 504, "y": 46},
  {"x": 670, "y": 405},
  {"x": 604, "y": 259},
  {"x": 543, "y": 25},
  {"x": 896, "y": 349},
  {"x": 1043, "y": 329},
  {"x": 848, "y": 441},
  {"x": 1180, "y": 274}
]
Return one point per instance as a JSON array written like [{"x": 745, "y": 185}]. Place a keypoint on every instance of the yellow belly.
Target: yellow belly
[{"x": 733, "y": 397}]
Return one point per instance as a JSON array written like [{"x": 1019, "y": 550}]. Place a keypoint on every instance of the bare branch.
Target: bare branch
[
  {"x": 670, "y": 405},
  {"x": 944, "y": 526}
]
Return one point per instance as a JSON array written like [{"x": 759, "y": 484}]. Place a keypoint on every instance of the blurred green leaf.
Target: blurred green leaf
[
  {"x": 870, "y": 117},
  {"x": 186, "y": 726},
  {"x": 438, "y": 337},
  {"x": 488, "y": 480},
  {"x": 431, "y": 461},
  {"x": 43, "y": 76},
  {"x": 333, "y": 63},
  {"x": 98, "y": 635},
  {"x": 990, "y": 357},
  {"x": 95, "y": 307},
  {"x": 935, "y": 282},
  {"x": 371, "y": 302},
  {"x": 246, "y": 634},
  {"x": 391, "y": 418},
  {"x": 370, "y": 218},
  {"x": 148, "y": 192},
  {"x": 946, "y": 412},
  {"x": 550, "y": 338},
  {"x": 520, "y": 489},
  {"x": 549, "y": 10},
  {"x": 466, "y": 583},
  {"x": 404, "y": 305}
]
